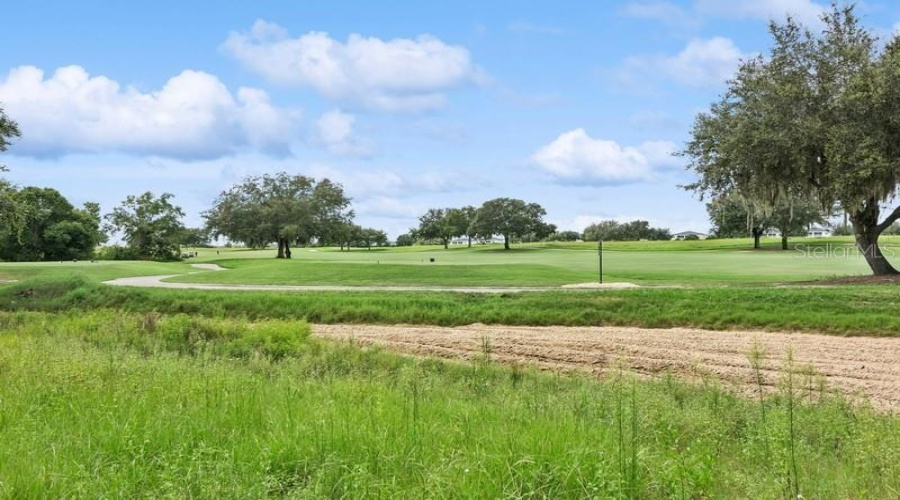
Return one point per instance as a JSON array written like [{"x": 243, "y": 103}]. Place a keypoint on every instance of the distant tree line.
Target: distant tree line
[
  {"x": 509, "y": 218},
  {"x": 636, "y": 230},
  {"x": 735, "y": 217}
]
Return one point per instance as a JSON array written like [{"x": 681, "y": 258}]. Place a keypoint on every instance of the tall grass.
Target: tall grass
[
  {"x": 870, "y": 311},
  {"x": 111, "y": 404}
]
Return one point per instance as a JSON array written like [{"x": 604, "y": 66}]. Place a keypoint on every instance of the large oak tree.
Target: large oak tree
[
  {"x": 818, "y": 117},
  {"x": 281, "y": 208},
  {"x": 509, "y": 218}
]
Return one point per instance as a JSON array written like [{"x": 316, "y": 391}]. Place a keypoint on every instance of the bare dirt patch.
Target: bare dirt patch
[{"x": 860, "y": 367}]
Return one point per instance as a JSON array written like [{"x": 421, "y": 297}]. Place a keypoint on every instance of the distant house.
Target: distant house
[
  {"x": 819, "y": 232},
  {"x": 464, "y": 240},
  {"x": 686, "y": 234},
  {"x": 772, "y": 233}
]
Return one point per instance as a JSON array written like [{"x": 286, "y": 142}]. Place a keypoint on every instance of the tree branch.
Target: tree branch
[{"x": 889, "y": 220}]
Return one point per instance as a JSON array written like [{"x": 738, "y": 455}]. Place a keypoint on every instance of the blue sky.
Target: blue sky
[{"x": 411, "y": 105}]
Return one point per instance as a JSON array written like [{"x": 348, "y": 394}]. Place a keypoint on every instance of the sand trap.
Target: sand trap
[
  {"x": 601, "y": 286},
  {"x": 857, "y": 366},
  {"x": 209, "y": 267}
]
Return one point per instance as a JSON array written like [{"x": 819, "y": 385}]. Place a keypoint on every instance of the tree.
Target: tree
[
  {"x": 406, "y": 240},
  {"x": 635, "y": 230},
  {"x": 281, "y": 208},
  {"x": 467, "y": 221},
  {"x": 509, "y": 217},
  {"x": 604, "y": 230},
  {"x": 793, "y": 218},
  {"x": 346, "y": 235},
  {"x": 565, "y": 236},
  {"x": 732, "y": 217},
  {"x": 50, "y": 228},
  {"x": 195, "y": 237},
  {"x": 819, "y": 116},
  {"x": 442, "y": 224},
  {"x": 150, "y": 225},
  {"x": 9, "y": 130},
  {"x": 9, "y": 216},
  {"x": 368, "y": 236}
]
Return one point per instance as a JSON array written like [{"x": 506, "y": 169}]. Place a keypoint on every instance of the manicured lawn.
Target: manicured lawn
[
  {"x": 533, "y": 266},
  {"x": 113, "y": 405}
]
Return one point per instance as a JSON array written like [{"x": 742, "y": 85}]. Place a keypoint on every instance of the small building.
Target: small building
[
  {"x": 688, "y": 235},
  {"x": 772, "y": 233},
  {"x": 464, "y": 240},
  {"x": 819, "y": 232}
]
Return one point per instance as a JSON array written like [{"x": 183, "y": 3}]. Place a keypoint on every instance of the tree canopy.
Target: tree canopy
[
  {"x": 150, "y": 225},
  {"x": 281, "y": 208},
  {"x": 818, "y": 117},
  {"x": 9, "y": 130},
  {"x": 611, "y": 230},
  {"x": 50, "y": 228},
  {"x": 442, "y": 224},
  {"x": 509, "y": 218}
]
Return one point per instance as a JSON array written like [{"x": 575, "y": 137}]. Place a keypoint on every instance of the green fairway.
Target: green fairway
[
  {"x": 688, "y": 263},
  {"x": 529, "y": 266},
  {"x": 112, "y": 405}
]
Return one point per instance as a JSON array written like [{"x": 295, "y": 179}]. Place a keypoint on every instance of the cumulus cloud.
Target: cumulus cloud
[
  {"x": 192, "y": 116},
  {"x": 389, "y": 208},
  {"x": 806, "y": 11},
  {"x": 389, "y": 75},
  {"x": 665, "y": 12},
  {"x": 335, "y": 131},
  {"x": 575, "y": 157},
  {"x": 702, "y": 63}
]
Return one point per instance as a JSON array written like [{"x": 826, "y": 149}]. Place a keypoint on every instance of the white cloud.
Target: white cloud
[
  {"x": 389, "y": 208},
  {"x": 575, "y": 157},
  {"x": 665, "y": 12},
  {"x": 806, "y": 11},
  {"x": 536, "y": 29},
  {"x": 702, "y": 63},
  {"x": 192, "y": 116},
  {"x": 335, "y": 130},
  {"x": 365, "y": 184},
  {"x": 393, "y": 75}
]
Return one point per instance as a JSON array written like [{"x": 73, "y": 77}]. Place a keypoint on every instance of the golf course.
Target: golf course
[
  {"x": 646, "y": 249},
  {"x": 315, "y": 391}
]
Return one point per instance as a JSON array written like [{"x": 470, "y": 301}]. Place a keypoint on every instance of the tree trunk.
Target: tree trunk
[
  {"x": 784, "y": 241},
  {"x": 867, "y": 231},
  {"x": 470, "y": 242},
  {"x": 280, "y": 249},
  {"x": 757, "y": 233},
  {"x": 506, "y": 242},
  {"x": 287, "y": 249},
  {"x": 446, "y": 244}
]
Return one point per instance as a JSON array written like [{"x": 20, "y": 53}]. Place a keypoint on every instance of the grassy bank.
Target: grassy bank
[
  {"x": 838, "y": 310},
  {"x": 94, "y": 271},
  {"x": 107, "y": 404}
]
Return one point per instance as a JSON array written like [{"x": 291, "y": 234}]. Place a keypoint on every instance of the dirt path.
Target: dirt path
[{"x": 857, "y": 366}]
